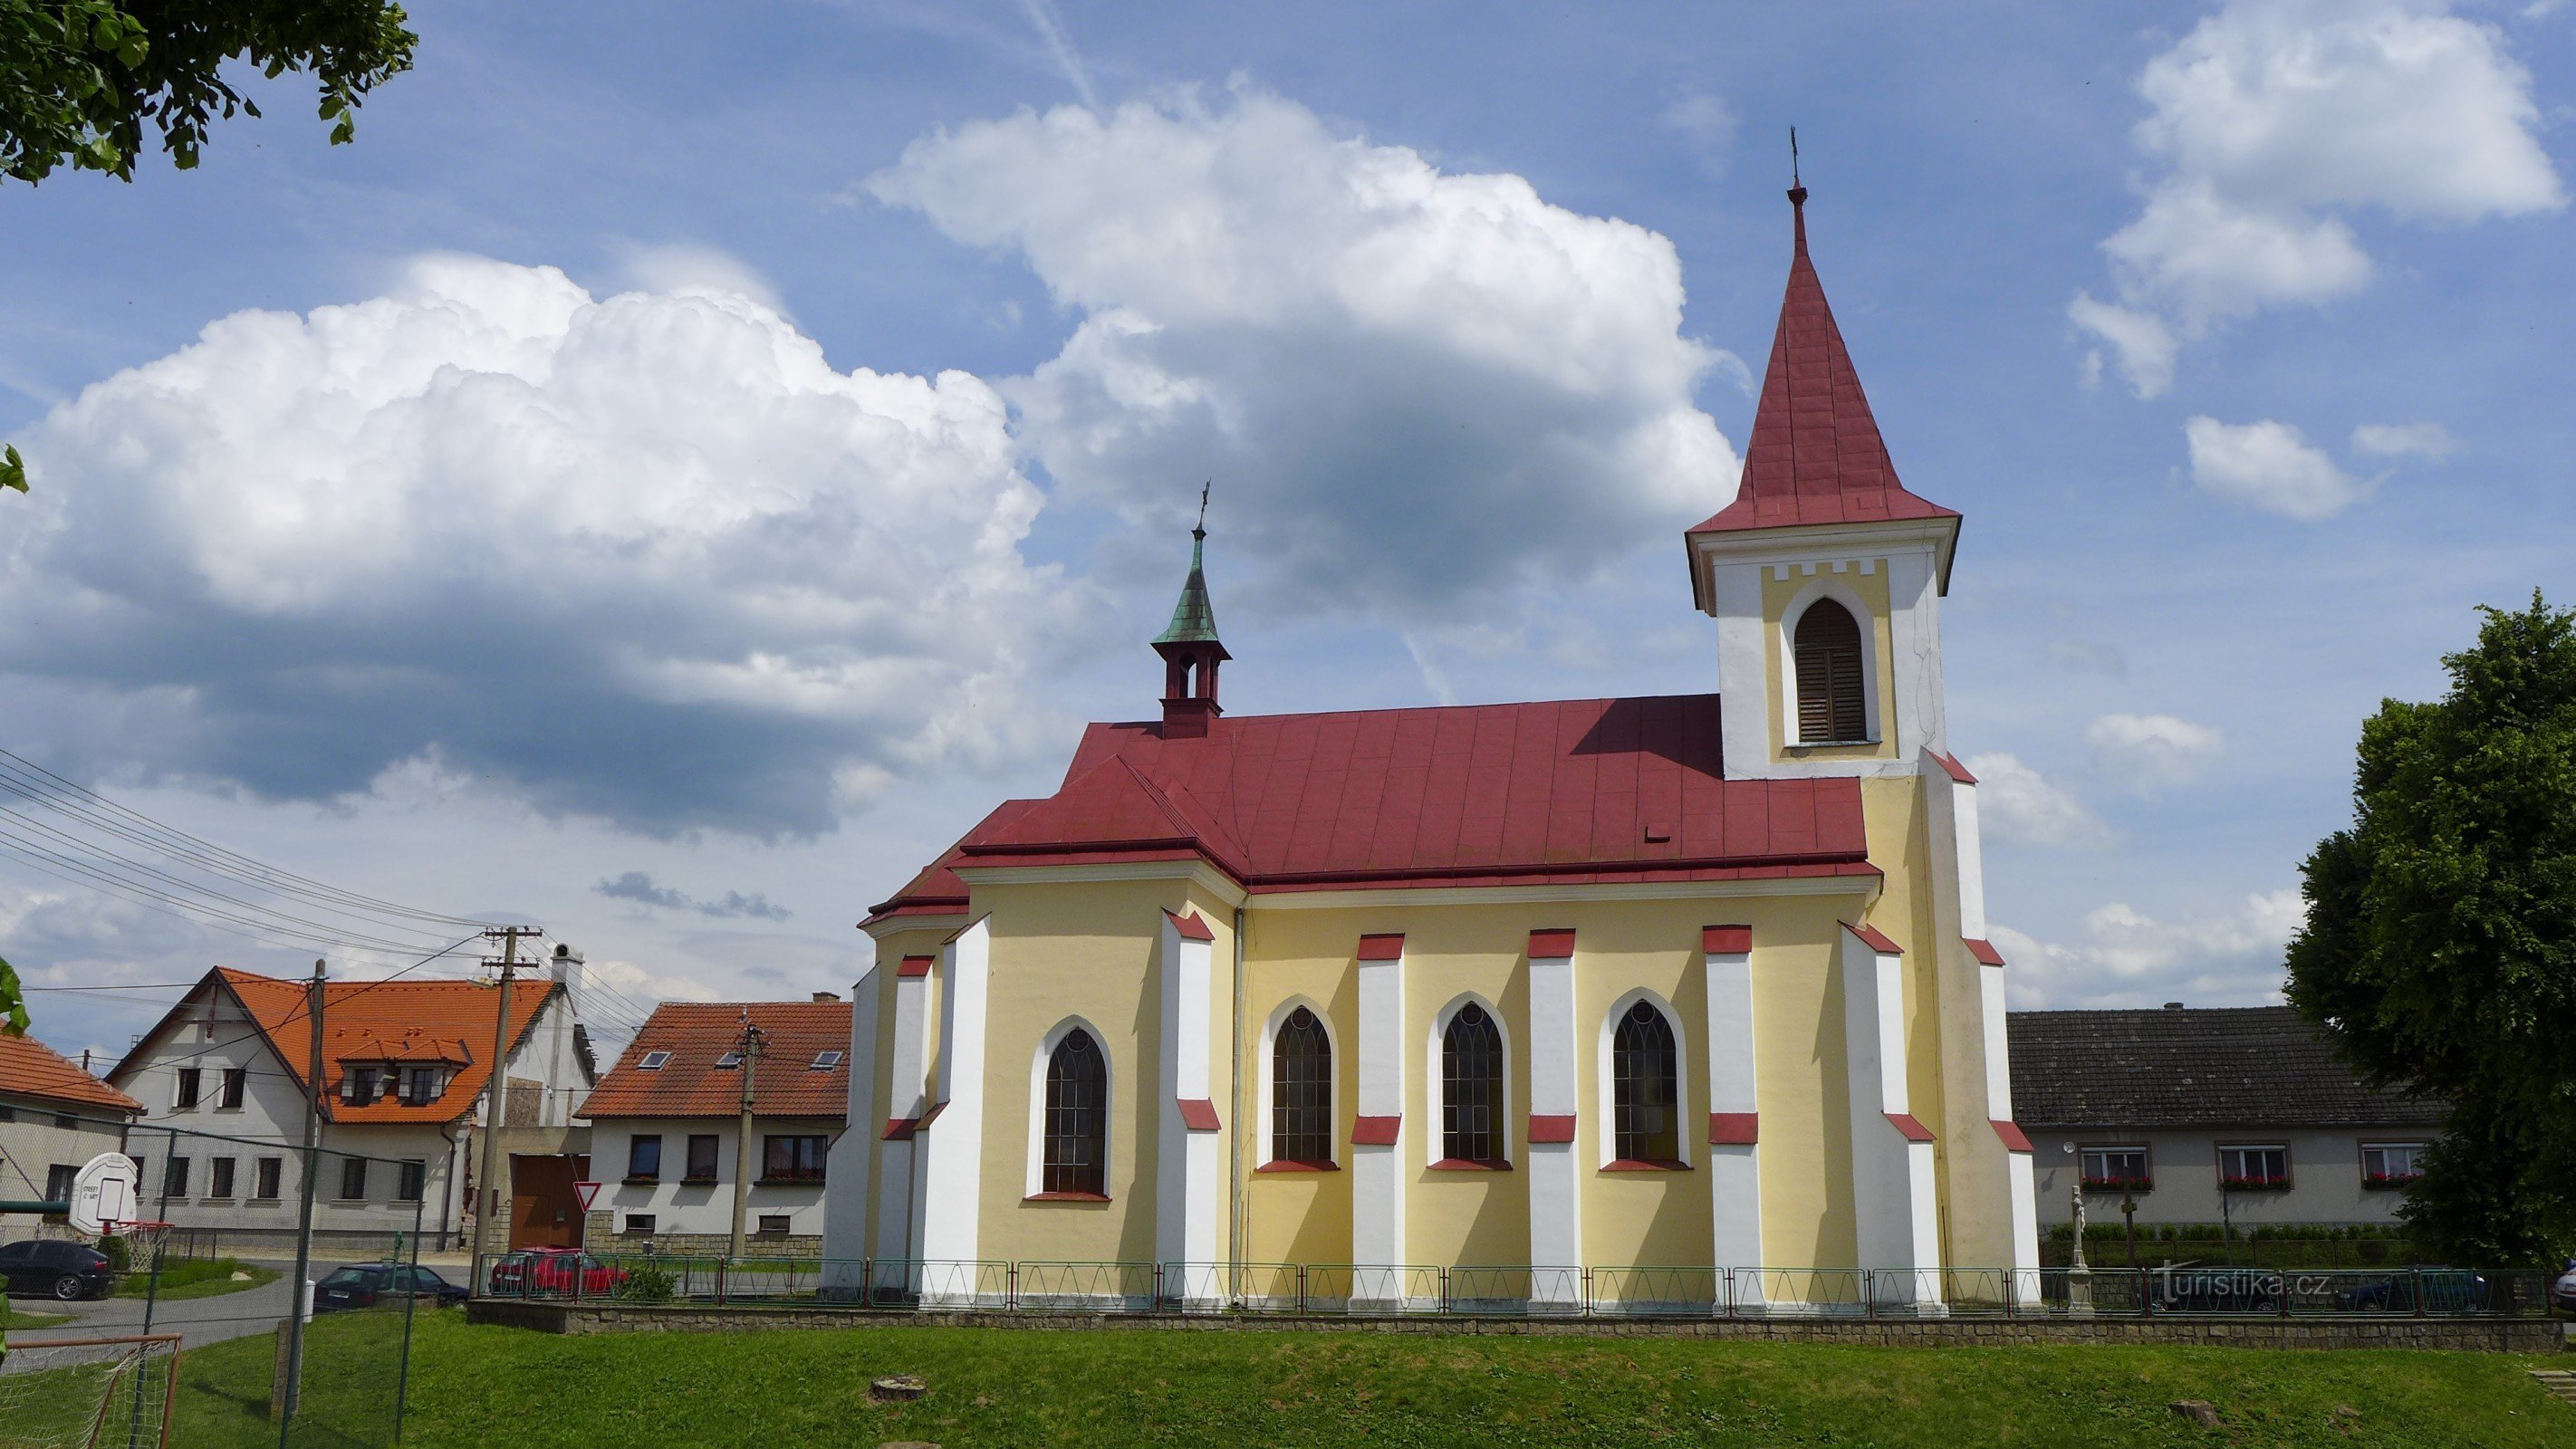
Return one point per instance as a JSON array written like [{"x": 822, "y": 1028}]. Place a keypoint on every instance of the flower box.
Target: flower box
[
  {"x": 2389, "y": 1181},
  {"x": 2119, "y": 1184},
  {"x": 2254, "y": 1184}
]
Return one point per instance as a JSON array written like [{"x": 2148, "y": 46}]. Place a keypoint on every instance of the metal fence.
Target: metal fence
[{"x": 1039, "y": 1287}]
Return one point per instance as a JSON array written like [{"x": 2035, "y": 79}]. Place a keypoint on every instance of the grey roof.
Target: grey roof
[{"x": 2207, "y": 1066}]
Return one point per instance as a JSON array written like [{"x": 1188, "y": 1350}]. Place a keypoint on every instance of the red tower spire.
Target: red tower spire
[{"x": 1815, "y": 455}]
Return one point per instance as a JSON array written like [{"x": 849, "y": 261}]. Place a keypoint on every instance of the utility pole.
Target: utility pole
[
  {"x": 752, "y": 1043},
  {"x": 301, "y": 1302},
  {"x": 488, "y": 1189}
]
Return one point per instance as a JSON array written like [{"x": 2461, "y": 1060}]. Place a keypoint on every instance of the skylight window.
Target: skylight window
[
  {"x": 826, "y": 1061},
  {"x": 654, "y": 1061},
  {"x": 728, "y": 1061}
]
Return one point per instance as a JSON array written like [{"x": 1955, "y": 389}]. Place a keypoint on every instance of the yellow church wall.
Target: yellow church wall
[
  {"x": 1091, "y": 951},
  {"x": 1871, "y": 589},
  {"x": 1299, "y": 1217}
]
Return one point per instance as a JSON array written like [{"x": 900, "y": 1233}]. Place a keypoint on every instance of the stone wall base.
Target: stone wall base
[{"x": 2490, "y": 1335}]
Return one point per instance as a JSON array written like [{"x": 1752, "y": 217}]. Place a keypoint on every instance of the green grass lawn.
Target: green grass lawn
[
  {"x": 480, "y": 1386},
  {"x": 196, "y": 1278}
]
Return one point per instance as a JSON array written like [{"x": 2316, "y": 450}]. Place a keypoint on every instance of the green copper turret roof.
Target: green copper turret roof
[{"x": 1193, "y": 618}]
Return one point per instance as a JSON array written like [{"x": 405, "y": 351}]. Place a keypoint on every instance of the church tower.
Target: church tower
[
  {"x": 1190, "y": 649},
  {"x": 1825, "y": 574}
]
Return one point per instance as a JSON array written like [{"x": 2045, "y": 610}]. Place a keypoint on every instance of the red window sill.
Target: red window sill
[
  {"x": 697, "y": 1182},
  {"x": 1298, "y": 1167},
  {"x": 1463, "y": 1164},
  {"x": 1066, "y": 1197},
  {"x": 631, "y": 1180},
  {"x": 1637, "y": 1164}
]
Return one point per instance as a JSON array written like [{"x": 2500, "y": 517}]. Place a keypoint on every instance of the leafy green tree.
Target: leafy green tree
[
  {"x": 80, "y": 78},
  {"x": 2440, "y": 949}
]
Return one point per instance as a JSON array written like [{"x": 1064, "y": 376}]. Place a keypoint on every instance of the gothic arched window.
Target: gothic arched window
[
  {"x": 1077, "y": 1117},
  {"x": 1827, "y": 650},
  {"x": 1645, "y": 1086},
  {"x": 1471, "y": 1088},
  {"x": 1301, "y": 1091}
]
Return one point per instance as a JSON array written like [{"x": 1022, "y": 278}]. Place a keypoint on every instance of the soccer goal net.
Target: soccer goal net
[{"x": 88, "y": 1393}]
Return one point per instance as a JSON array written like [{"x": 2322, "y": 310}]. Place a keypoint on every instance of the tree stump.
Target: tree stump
[{"x": 897, "y": 1388}]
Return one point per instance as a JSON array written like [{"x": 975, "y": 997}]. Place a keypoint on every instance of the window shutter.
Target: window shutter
[{"x": 1827, "y": 654}]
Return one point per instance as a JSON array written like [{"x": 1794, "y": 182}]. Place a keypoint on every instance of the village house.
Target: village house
[
  {"x": 666, "y": 1126},
  {"x": 2239, "y": 1117},
  {"x": 54, "y": 1117},
  {"x": 405, "y": 1066},
  {"x": 1690, "y": 991}
]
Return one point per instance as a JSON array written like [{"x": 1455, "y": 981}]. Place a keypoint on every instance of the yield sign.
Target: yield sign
[{"x": 585, "y": 1191}]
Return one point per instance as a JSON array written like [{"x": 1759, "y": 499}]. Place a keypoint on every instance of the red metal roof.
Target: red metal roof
[
  {"x": 29, "y": 1068},
  {"x": 696, "y": 1033},
  {"x": 1815, "y": 454},
  {"x": 1559, "y": 791}
]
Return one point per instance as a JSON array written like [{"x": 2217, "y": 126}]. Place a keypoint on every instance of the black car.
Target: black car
[
  {"x": 364, "y": 1285},
  {"x": 56, "y": 1269}
]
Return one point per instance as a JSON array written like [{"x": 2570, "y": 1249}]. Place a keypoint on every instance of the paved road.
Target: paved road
[{"x": 198, "y": 1321}]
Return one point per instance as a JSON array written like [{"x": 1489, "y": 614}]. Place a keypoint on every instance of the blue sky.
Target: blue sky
[{"x": 686, "y": 596}]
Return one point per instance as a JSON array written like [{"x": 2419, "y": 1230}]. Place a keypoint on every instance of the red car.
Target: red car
[{"x": 548, "y": 1272}]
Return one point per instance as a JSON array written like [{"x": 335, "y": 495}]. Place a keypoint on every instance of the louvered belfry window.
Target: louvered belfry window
[
  {"x": 1645, "y": 1079},
  {"x": 1077, "y": 1117},
  {"x": 1471, "y": 1087},
  {"x": 1301, "y": 1091},
  {"x": 1830, "y": 709}
]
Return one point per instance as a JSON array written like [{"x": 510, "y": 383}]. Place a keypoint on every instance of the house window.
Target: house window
[
  {"x": 265, "y": 1175},
  {"x": 1645, "y": 1086},
  {"x": 2391, "y": 1164},
  {"x": 1077, "y": 1118},
  {"x": 174, "y": 1178},
  {"x": 419, "y": 1086},
  {"x": 219, "y": 1177},
  {"x": 190, "y": 1079},
  {"x": 1301, "y": 1091},
  {"x": 1471, "y": 1088},
  {"x": 411, "y": 1180},
  {"x": 1827, "y": 649},
  {"x": 640, "y": 1223},
  {"x": 826, "y": 1061},
  {"x": 653, "y": 1062},
  {"x": 353, "y": 1179},
  {"x": 58, "y": 1181},
  {"x": 2253, "y": 1169},
  {"x": 68, "y": 1121},
  {"x": 794, "y": 1158},
  {"x": 729, "y": 1061},
  {"x": 644, "y": 1157},
  {"x": 773, "y": 1225},
  {"x": 229, "y": 1094},
  {"x": 359, "y": 1085},
  {"x": 2116, "y": 1169},
  {"x": 702, "y": 1158}
]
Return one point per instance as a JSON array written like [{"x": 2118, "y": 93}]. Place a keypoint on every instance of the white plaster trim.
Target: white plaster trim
[
  {"x": 1197, "y": 872},
  {"x": 897, "y": 925},
  {"x": 1896, "y": 1223},
  {"x": 1435, "y": 1070},
  {"x": 1267, "y": 1145},
  {"x": 1821, "y": 543},
  {"x": 1734, "y": 1171},
  {"x": 1554, "y": 1169},
  {"x": 851, "y": 1161},
  {"x": 1555, "y": 1089},
  {"x": 1966, "y": 831},
  {"x": 1606, "y": 1140},
  {"x": 1990, "y": 992},
  {"x": 952, "y": 1149},
  {"x": 1185, "y": 1215},
  {"x": 1785, "y": 641},
  {"x": 1109, "y": 1143},
  {"x": 1378, "y": 1172},
  {"x": 1678, "y": 890}
]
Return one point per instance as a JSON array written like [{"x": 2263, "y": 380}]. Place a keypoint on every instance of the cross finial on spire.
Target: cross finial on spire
[
  {"x": 1797, "y": 194},
  {"x": 1200, "y": 532},
  {"x": 1793, "y": 159}
]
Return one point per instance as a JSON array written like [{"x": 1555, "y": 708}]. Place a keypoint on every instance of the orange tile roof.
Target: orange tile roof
[
  {"x": 399, "y": 1021},
  {"x": 29, "y": 1068},
  {"x": 695, "y": 1033}
]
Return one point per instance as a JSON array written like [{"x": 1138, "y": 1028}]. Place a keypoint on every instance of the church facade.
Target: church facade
[{"x": 1652, "y": 1000}]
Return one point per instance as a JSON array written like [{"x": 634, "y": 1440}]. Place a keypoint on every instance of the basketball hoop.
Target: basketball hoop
[{"x": 143, "y": 1239}]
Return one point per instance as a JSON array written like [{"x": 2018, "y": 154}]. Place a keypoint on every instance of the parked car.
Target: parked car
[
  {"x": 540, "y": 1272},
  {"x": 56, "y": 1269},
  {"x": 364, "y": 1285},
  {"x": 2563, "y": 1292},
  {"x": 2446, "y": 1290}
]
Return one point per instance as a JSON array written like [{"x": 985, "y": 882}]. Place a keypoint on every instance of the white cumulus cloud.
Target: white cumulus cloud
[
  {"x": 2123, "y": 957},
  {"x": 649, "y": 557},
  {"x": 2150, "y": 751},
  {"x": 2016, "y": 805},
  {"x": 1412, "y": 386},
  {"x": 2274, "y": 118},
  {"x": 2270, "y": 466}
]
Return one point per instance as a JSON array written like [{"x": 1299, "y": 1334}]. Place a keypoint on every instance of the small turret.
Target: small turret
[{"x": 1190, "y": 649}]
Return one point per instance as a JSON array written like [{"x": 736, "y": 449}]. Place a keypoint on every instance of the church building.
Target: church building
[{"x": 1649, "y": 1002}]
